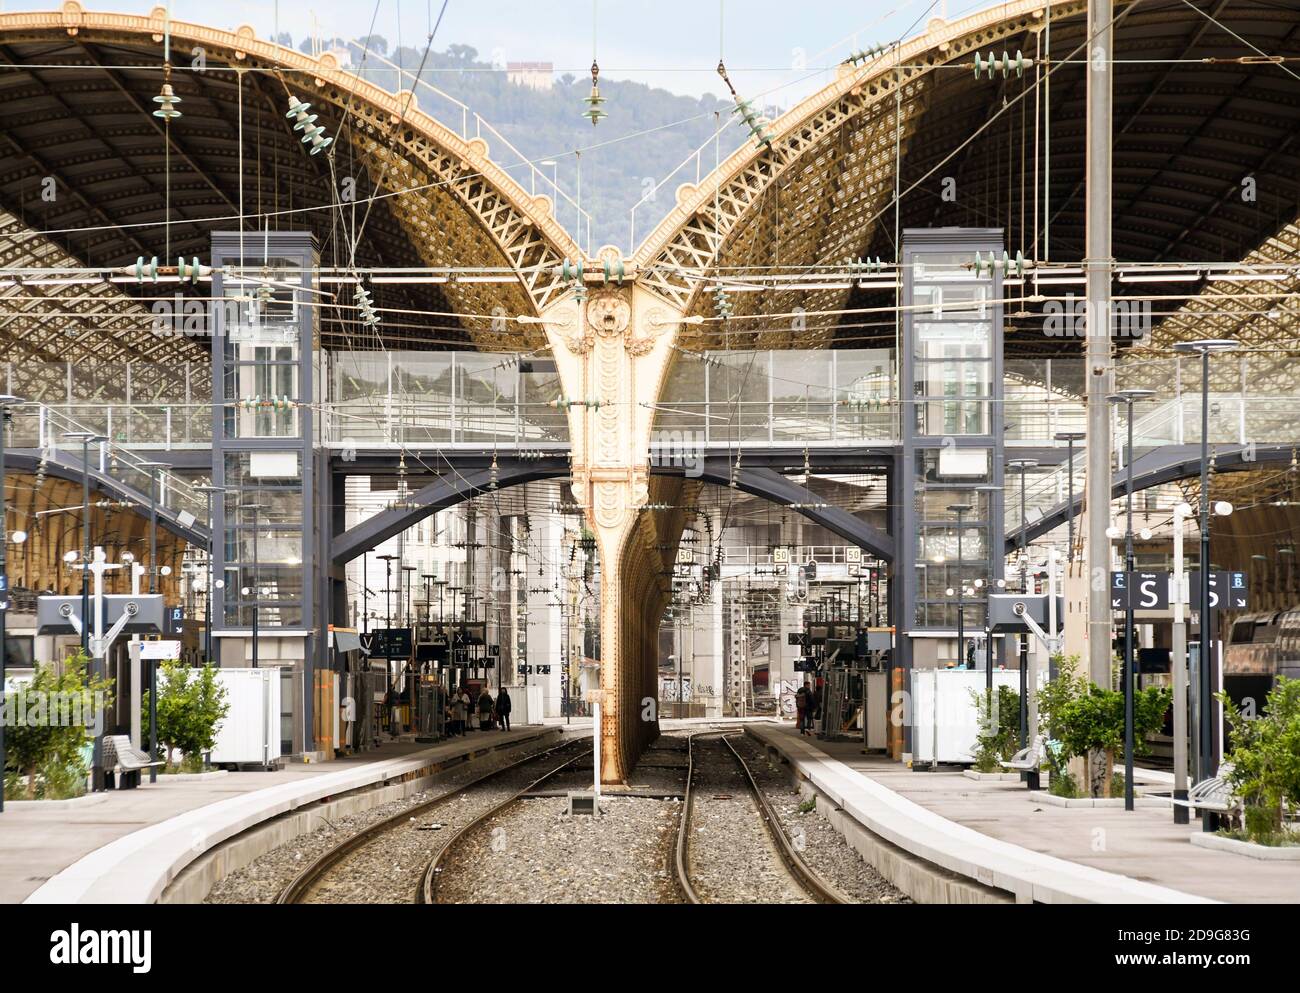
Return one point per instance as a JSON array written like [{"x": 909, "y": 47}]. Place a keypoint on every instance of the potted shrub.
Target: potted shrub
[
  {"x": 191, "y": 706},
  {"x": 1265, "y": 760},
  {"x": 43, "y": 749},
  {"x": 998, "y": 718},
  {"x": 1095, "y": 721},
  {"x": 1082, "y": 717},
  {"x": 1054, "y": 700}
]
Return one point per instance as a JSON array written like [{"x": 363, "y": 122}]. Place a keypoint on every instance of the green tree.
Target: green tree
[
  {"x": 1265, "y": 758},
  {"x": 1095, "y": 720},
  {"x": 998, "y": 718},
  {"x": 1054, "y": 700},
  {"x": 191, "y": 706},
  {"x": 47, "y": 728}
]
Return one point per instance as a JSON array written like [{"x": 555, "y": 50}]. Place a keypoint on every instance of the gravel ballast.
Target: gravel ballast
[
  {"x": 813, "y": 836},
  {"x": 730, "y": 856},
  {"x": 533, "y": 852},
  {"x": 262, "y": 880}
]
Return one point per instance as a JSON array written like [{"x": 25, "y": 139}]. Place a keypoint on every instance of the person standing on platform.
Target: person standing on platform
[
  {"x": 802, "y": 706},
  {"x": 458, "y": 707},
  {"x": 503, "y": 709},
  {"x": 485, "y": 710}
]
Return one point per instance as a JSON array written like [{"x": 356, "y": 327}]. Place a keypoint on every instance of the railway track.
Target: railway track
[
  {"x": 803, "y": 877},
  {"x": 427, "y": 891},
  {"x": 316, "y": 873}
]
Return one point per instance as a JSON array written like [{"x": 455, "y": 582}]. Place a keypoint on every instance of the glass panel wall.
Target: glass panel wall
[
  {"x": 950, "y": 477},
  {"x": 952, "y": 333},
  {"x": 263, "y": 546},
  {"x": 261, "y": 353}
]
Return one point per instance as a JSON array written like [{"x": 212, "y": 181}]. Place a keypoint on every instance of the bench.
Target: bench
[
  {"x": 1027, "y": 760},
  {"x": 124, "y": 761},
  {"x": 1213, "y": 795}
]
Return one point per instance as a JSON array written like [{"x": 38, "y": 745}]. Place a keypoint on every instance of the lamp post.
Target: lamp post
[
  {"x": 1070, "y": 437},
  {"x": 208, "y": 490},
  {"x": 960, "y": 509},
  {"x": 1128, "y": 398},
  {"x": 7, "y": 400},
  {"x": 87, "y": 438},
  {"x": 1205, "y": 763},
  {"x": 1023, "y": 466},
  {"x": 256, "y": 589},
  {"x": 388, "y": 561},
  {"x": 153, "y": 468},
  {"x": 1178, "y": 665}
]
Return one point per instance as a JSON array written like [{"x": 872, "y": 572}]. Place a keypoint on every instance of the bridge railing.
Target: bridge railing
[
  {"x": 1234, "y": 419},
  {"x": 762, "y": 555},
  {"x": 443, "y": 423},
  {"x": 43, "y": 427},
  {"x": 460, "y": 109},
  {"x": 158, "y": 427}
]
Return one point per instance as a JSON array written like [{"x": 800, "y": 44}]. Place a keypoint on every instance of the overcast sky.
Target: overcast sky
[{"x": 775, "y": 49}]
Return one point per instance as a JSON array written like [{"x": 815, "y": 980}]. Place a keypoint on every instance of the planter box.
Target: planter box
[
  {"x": 191, "y": 777},
  {"x": 1042, "y": 796},
  {"x": 89, "y": 800},
  {"x": 991, "y": 777},
  {"x": 1269, "y": 853}
]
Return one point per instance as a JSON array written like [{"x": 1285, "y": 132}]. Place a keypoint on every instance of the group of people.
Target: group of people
[
  {"x": 492, "y": 714},
  {"x": 807, "y": 706}
]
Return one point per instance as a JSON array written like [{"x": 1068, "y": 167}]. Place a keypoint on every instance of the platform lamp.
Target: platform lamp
[
  {"x": 1023, "y": 466},
  {"x": 1069, "y": 437},
  {"x": 87, "y": 438},
  {"x": 960, "y": 509},
  {"x": 7, "y": 400},
  {"x": 1204, "y": 348},
  {"x": 1128, "y": 398},
  {"x": 153, "y": 469},
  {"x": 388, "y": 561},
  {"x": 208, "y": 490},
  {"x": 988, "y": 489},
  {"x": 255, "y": 590}
]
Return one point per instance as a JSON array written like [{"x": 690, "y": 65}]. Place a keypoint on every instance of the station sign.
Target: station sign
[
  {"x": 534, "y": 670},
  {"x": 1153, "y": 590},
  {"x": 1140, "y": 590},
  {"x": 390, "y": 643},
  {"x": 1227, "y": 591}
]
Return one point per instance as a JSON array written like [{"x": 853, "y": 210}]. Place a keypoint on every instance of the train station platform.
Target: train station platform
[
  {"x": 1004, "y": 841},
  {"x": 126, "y": 846}
]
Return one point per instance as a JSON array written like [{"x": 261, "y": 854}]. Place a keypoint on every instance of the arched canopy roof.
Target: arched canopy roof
[
  {"x": 1197, "y": 110},
  {"x": 77, "y": 91}
]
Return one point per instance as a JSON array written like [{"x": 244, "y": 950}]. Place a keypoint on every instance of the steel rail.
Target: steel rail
[
  {"x": 426, "y": 893},
  {"x": 809, "y": 878},
  {"x": 803, "y": 874},
  {"x": 302, "y": 884}
]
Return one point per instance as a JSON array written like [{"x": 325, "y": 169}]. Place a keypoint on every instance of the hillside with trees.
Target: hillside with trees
[{"x": 648, "y": 133}]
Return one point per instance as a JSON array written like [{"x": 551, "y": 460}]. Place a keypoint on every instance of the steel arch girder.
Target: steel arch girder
[
  {"x": 1166, "y": 464},
  {"x": 28, "y": 461}
]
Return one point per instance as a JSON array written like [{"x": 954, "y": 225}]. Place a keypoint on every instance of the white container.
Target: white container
[
  {"x": 525, "y": 704},
  {"x": 953, "y": 711},
  {"x": 250, "y": 733}
]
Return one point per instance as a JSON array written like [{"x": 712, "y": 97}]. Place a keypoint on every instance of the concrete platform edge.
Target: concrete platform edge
[
  {"x": 138, "y": 867},
  {"x": 1031, "y": 877}
]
